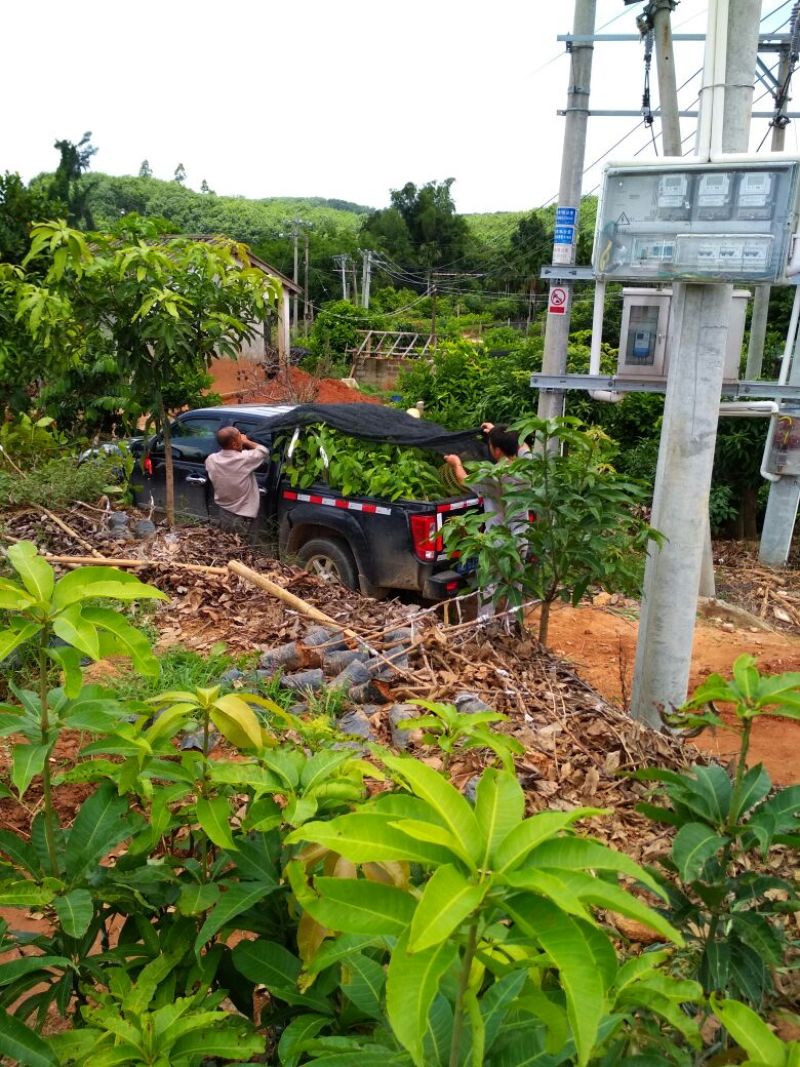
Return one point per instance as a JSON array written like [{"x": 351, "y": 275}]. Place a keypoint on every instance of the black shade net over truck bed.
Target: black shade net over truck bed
[{"x": 374, "y": 422}]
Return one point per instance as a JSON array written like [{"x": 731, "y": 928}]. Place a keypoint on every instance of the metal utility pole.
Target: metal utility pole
[
  {"x": 355, "y": 280},
  {"x": 341, "y": 262},
  {"x": 366, "y": 277},
  {"x": 556, "y": 338},
  {"x": 758, "y": 319},
  {"x": 697, "y": 343}
]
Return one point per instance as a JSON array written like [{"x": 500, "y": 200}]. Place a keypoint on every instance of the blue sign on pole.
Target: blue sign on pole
[
  {"x": 564, "y": 235},
  {"x": 566, "y": 216}
]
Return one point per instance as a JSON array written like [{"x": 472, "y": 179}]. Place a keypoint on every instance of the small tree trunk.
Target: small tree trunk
[
  {"x": 169, "y": 472},
  {"x": 544, "y": 621},
  {"x": 748, "y": 509}
]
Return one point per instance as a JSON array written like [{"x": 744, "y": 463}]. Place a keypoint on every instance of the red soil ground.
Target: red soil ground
[{"x": 244, "y": 382}]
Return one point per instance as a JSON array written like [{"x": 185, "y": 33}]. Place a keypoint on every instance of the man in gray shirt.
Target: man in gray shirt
[{"x": 232, "y": 474}]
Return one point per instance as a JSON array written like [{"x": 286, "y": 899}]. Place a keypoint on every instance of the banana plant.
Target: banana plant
[{"x": 506, "y": 910}]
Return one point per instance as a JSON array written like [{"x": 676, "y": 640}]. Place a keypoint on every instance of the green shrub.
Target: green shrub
[{"x": 59, "y": 482}]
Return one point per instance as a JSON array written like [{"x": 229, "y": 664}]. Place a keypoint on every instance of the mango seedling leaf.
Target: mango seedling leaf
[
  {"x": 121, "y": 637},
  {"x": 269, "y": 964},
  {"x": 22, "y": 1045},
  {"x": 76, "y": 631},
  {"x": 16, "y": 849},
  {"x": 37, "y": 575},
  {"x": 368, "y": 836},
  {"x": 214, "y": 816},
  {"x": 14, "y": 969},
  {"x": 14, "y": 637},
  {"x": 449, "y": 805},
  {"x": 74, "y": 910},
  {"x": 520, "y": 841},
  {"x": 25, "y": 894},
  {"x": 27, "y": 761},
  {"x": 356, "y": 906},
  {"x": 499, "y": 807},
  {"x": 236, "y": 899},
  {"x": 363, "y": 981},
  {"x": 564, "y": 941},
  {"x": 69, "y": 660},
  {"x": 412, "y": 982},
  {"x": 447, "y": 900},
  {"x": 750, "y": 1032},
  {"x": 580, "y": 854},
  {"x": 291, "y": 1046},
  {"x": 89, "y": 582},
  {"x": 13, "y": 597},
  {"x": 236, "y": 721},
  {"x": 694, "y": 845},
  {"x": 102, "y": 822},
  {"x": 196, "y": 898}
]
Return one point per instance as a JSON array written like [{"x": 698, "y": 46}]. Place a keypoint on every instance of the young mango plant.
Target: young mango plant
[
  {"x": 450, "y": 730},
  {"x": 751, "y": 1033},
  {"x": 61, "y": 869},
  {"x": 728, "y": 898},
  {"x": 586, "y": 529},
  {"x": 498, "y": 956},
  {"x": 129, "y": 1023}
]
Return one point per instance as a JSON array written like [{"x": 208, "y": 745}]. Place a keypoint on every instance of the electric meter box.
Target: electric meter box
[
  {"x": 726, "y": 221},
  {"x": 783, "y": 454},
  {"x": 645, "y": 325}
]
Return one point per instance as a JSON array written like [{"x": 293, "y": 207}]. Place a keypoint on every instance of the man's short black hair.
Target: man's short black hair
[{"x": 507, "y": 441}]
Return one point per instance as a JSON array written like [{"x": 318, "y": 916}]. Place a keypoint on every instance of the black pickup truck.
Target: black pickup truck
[{"x": 371, "y": 544}]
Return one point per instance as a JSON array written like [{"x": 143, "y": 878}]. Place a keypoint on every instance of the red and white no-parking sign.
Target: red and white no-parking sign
[{"x": 559, "y": 298}]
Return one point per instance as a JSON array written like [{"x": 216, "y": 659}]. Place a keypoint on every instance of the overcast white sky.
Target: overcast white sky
[{"x": 344, "y": 99}]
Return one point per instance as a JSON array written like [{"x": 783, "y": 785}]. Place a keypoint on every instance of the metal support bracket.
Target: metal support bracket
[
  {"x": 563, "y": 272},
  {"x": 591, "y": 382}
]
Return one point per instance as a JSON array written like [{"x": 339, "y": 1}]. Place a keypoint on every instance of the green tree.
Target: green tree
[
  {"x": 162, "y": 308},
  {"x": 145, "y": 170},
  {"x": 19, "y": 207},
  {"x": 421, "y": 223},
  {"x": 584, "y": 529},
  {"x": 67, "y": 186}
]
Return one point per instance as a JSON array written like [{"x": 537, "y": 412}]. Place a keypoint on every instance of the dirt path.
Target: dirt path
[{"x": 601, "y": 645}]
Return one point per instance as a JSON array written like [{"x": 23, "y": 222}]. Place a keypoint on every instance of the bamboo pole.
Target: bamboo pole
[
  {"x": 295, "y": 602},
  {"x": 129, "y": 564},
  {"x": 69, "y": 530}
]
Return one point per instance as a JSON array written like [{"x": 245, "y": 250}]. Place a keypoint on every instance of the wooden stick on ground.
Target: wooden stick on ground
[
  {"x": 68, "y": 530},
  {"x": 131, "y": 564},
  {"x": 295, "y": 602}
]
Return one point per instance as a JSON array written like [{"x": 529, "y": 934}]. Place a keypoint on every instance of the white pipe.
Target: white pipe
[
  {"x": 605, "y": 395},
  {"x": 703, "y": 138},
  {"x": 720, "y": 63},
  {"x": 792, "y": 339},
  {"x": 749, "y": 409}
]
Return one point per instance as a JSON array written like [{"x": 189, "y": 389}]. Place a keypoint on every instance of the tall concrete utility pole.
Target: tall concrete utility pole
[
  {"x": 366, "y": 277},
  {"x": 341, "y": 262},
  {"x": 295, "y": 235},
  {"x": 784, "y": 496},
  {"x": 697, "y": 343},
  {"x": 306, "y": 302},
  {"x": 758, "y": 319},
  {"x": 556, "y": 338},
  {"x": 659, "y": 12}
]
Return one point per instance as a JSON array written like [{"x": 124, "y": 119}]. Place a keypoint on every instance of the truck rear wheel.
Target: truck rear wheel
[{"x": 329, "y": 560}]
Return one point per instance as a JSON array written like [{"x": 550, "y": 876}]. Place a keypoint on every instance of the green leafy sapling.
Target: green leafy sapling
[
  {"x": 450, "y": 730},
  {"x": 729, "y": 899}
]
